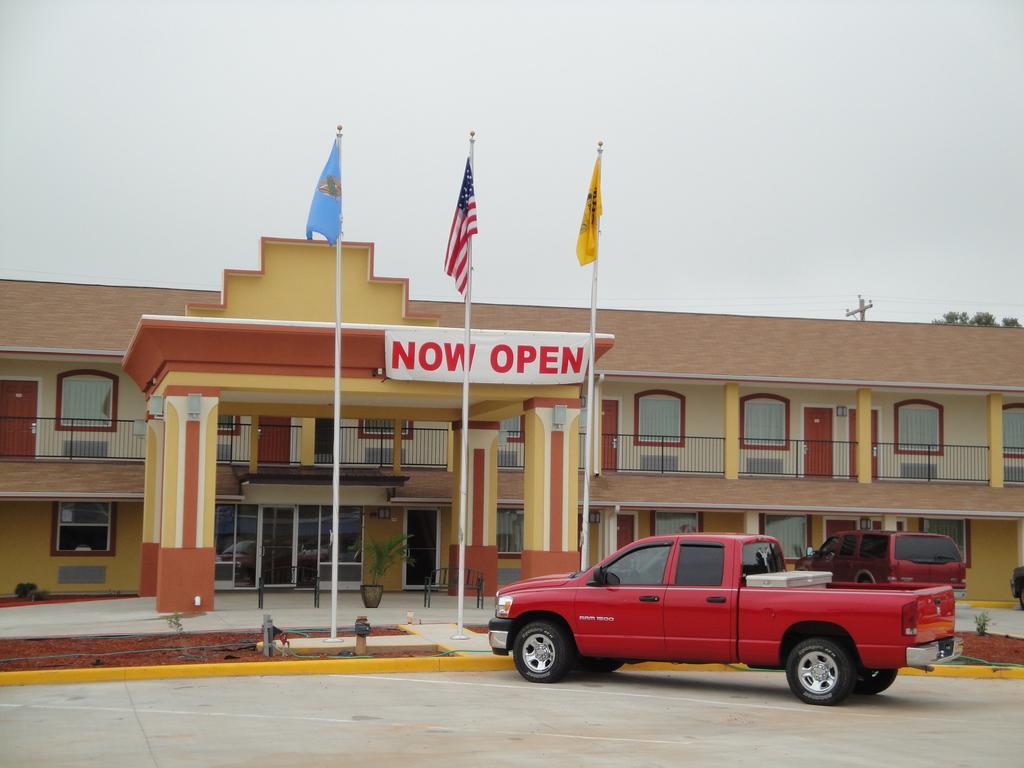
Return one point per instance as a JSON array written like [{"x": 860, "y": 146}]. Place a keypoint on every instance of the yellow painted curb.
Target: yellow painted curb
[
  {"x": 246, "y": 669},
  {"x": 378, "y": 666},
  {"x": 991, "y": 603}
]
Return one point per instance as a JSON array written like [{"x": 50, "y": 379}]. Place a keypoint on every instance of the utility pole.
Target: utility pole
[{"x": 862, "y": 310}]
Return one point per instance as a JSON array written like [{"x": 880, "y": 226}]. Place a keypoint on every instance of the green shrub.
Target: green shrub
[
  {"x": 25, "y": 589},
  {"x": 981, "y": 623}
]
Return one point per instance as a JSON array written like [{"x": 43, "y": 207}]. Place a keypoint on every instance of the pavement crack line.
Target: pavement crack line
[{"x": 142, "y": 728}]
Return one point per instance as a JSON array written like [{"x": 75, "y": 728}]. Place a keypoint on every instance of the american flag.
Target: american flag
[{"x": 456, "y": 260}]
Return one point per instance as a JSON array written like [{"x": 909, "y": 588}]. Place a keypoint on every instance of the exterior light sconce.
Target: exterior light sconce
[
  {"x": 840, "y": 410},
  {"x": 383, "y": 513},
  {"x": 193, "y": 406},
  {"x": 594, "y": 518},
  {"x": 156, "y": 406},
  {"x": 558, "y": 418}
]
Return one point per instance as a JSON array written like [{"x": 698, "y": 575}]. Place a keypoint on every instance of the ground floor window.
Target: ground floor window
[
  {"x": 510, "y": 531},
  {"x": 666, "y": 523},
  {"x": 955, "y": 528},
  {"x": 84, "y": 526},
  {"x": 791, "y": 531}
]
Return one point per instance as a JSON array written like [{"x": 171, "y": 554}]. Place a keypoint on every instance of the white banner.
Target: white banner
[{"x": 497, "y": 357}]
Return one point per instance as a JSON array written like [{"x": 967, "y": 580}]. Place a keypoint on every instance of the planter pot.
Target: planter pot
[{"x": 372, "y": 593}]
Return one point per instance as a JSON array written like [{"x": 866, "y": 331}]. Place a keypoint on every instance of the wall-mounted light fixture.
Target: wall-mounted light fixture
[
  {"x": 558, "y": 418},
  {"x": 594, "y": 518},
  {"x": 156, "y": 405},
  {"x": 383, "y": 513},
  {"x": 840, "y": 410},
  {"x": 193, "y": 406}
]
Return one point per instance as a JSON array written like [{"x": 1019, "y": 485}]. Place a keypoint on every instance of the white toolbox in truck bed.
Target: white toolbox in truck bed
[{"x": 790, "y": 579}]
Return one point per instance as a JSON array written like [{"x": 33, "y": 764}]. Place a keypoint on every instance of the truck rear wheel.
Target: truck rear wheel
[
  {"x": 820, "y": 671},
  {"x": 591, "y": 664},
  {"x": 872, "y": 681},
  {"x": 544, "y": 652}
]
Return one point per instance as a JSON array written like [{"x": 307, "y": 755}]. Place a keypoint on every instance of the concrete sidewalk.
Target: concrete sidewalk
[{"x": 234, "y": 611}]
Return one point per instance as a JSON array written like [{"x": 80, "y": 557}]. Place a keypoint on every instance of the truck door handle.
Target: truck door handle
[
  {"x": 649, "y": 598},
  {"x": 716, "y": 599}
]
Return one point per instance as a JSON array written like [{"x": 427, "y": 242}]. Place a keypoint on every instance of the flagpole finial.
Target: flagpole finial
[
  {"x": 600, "y": 146},
  {"x": 472, "y": 135},
  {"x": 339, "y": 129}
]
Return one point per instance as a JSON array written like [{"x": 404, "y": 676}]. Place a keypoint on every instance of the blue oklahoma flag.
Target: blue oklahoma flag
[{"x": 325, "y": 210}]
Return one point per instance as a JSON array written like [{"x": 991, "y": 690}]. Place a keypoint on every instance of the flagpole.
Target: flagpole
[
  {"x": 464, "y": 438},
  {"x": 335, "y": 468},
  {"x": 589, "y": 448}
]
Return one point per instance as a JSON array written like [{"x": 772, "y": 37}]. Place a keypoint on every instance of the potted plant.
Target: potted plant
[{"x": 379, "y": 556}]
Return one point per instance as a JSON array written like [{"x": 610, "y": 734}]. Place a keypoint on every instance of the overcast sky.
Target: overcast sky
[{"x": 764, "y": 157}]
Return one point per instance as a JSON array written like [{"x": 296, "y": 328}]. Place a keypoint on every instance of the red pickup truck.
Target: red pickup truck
[{"x": 723, "y": 598}]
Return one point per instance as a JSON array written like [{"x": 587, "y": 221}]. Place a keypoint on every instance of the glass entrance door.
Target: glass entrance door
[
  {"x": 421, "y": 526},
  {"x": 278, "y": 545}
]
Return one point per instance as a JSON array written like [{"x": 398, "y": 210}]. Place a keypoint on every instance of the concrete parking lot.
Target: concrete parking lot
[{"x": 497, "y": 719}]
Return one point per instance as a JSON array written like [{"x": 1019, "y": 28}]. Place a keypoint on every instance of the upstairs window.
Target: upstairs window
[
  {"x": 87, "y": 400},
  {"x": 1013, "y": 430},
  {"x": 918, "y": 427},
  {"x": 659, "y": 418},
  {"x": 764, "y": 422}
]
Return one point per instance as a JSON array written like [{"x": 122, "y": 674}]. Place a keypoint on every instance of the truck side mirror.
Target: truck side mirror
[
  {"x": 597, "y": 578},
  {"x": 811, "y": 551}
]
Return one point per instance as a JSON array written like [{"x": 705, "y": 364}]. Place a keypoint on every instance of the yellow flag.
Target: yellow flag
[{"x": 586, "y": 245}]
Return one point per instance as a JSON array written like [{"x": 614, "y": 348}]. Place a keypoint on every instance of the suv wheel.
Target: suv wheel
[
  {"x": 544, "y": 652},
  {"x": 819, "y": 671},
  {"x": 872, "y": 681}
]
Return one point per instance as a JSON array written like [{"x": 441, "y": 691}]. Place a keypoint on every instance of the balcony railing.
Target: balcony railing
[
  {"x": 52, "y": 438},
  {"x": 282, "y": 444},
  {"x": 125, "y": 440},
  {"x": 797, "y": 458},
  {"x": 930, "y": 462}
]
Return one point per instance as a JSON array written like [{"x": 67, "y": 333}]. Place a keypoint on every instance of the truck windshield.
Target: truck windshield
[
  {"x": 927, "y": 549},
  {"x": 762, "y": 557}
]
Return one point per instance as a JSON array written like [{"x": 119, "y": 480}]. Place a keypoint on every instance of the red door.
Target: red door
[
  {"x": 275, "y": 440},
  {"x": 609, "y": 434},
  {"x": 625, "y": 530},
  {"x": 18, "y": 418},
  {"x": 853, "y": 441},
  {"x": 818, "y": 442}
]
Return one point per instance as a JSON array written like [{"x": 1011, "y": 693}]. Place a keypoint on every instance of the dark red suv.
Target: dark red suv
[{"x": 882, "y": 557}]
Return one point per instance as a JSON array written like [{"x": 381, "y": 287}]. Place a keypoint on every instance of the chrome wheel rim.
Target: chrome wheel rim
[
  {"x": 538, "y": 653},
  {"x": 817, "y": 672}
]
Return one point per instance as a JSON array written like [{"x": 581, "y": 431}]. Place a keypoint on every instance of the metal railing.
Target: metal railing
[
  {"x": 904, "y": 461},
  {"x": 796, "y": 458},
  {"x": 53, "y": 438},
  {"x": 1013, "y": 469},
  {"x": 665, "y": 455}
]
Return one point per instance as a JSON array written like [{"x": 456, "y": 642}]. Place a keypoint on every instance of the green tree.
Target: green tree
[{"x": 978, "y": 318}]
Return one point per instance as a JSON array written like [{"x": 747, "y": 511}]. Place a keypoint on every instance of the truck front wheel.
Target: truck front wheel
[
  {"x": 543, "y": 652},
  {"x": 872, "y": 681},
  {"x": 820, "y": 671}
]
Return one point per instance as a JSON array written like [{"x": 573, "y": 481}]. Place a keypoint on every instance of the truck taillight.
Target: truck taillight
[{"x": 909, "y": 619}]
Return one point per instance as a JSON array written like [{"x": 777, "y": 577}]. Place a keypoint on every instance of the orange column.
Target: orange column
[
  {"x": 150, "y": 554},
  {"x": 551, "y": 487},
  {"x": 481, "y": 504},
  {"x": 184, "y": 577}
]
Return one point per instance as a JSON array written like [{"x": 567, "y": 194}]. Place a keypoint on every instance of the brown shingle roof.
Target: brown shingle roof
[
  {"x": 75, "y": 316},
  {"x": 98, "y": 317},
  {"x": 777, "y": 347}
]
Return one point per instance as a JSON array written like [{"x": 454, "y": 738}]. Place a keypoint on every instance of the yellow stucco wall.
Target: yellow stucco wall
[
  {"x": 298, "y": 284},
  {"x": 723, "y": 522},
  {"x": 375, "y": 528},
  {"x": 993, "y": 558},
  {"x": 25, "y": 549}
]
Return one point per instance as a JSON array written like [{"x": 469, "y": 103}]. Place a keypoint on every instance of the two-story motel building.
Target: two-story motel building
[{"x": 178, "y": 443}]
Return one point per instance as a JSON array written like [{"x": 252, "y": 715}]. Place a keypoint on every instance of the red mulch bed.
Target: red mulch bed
[
  {"x": 13, "y": 602},
  {"x": 157, "y": 650},
  {"x": 993, "y": 648}
]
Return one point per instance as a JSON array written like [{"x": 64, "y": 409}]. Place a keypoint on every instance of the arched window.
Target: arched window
[
  {"x": 764, "y": 422},
  {"x": 87, "y": 401},
  {"x": 659, "y": 418},
  {"x": 1013, "y": 430},
  {"x": 918, "y": 427}
]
